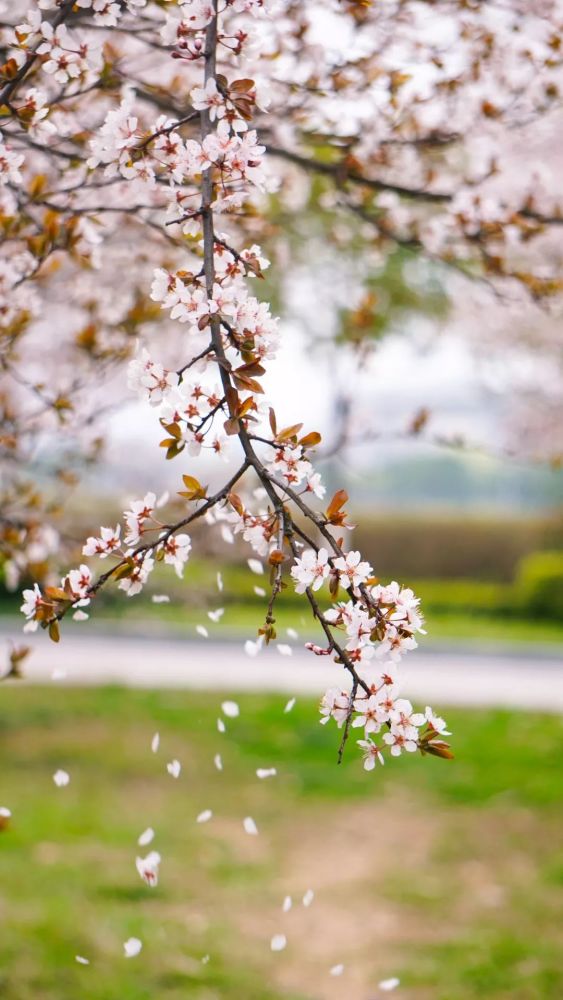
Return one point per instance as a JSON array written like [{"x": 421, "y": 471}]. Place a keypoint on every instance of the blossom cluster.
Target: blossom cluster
[
  {"x": 134, "y": 564},
  {"x": 379, "y": 624}
]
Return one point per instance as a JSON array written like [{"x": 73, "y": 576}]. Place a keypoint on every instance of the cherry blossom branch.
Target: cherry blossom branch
[{"x": 219, "y": 170}]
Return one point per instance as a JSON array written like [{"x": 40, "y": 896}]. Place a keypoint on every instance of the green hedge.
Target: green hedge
[
  {"x": 539, "y": 584},
  {"x": 452, "y": 547}
]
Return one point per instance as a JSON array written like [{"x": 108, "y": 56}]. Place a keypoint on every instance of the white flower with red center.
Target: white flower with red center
[
  {"x": 219, "y": 145},
  {"x": 177, "y": 550},
  {"x": 353, "y": 571},
  {"x": 335, "y": 704},
  {"x": 192, "y": 305},
  {"x": 209, "y": 98},
  {"x": 225, "y": 299},
  {"x": 134, "y": 583},
  {"x": 257, "y": 535},
  {"x": 254, "y": 321},
  {"x": 361, "y": 656},
  {"x": 195, "y": 15},
  {"x": 310, "y": 570},
  {"x": 371, "y": 754},
  {"x": 315, "y": 485},
  {"x": 150, "y": 379},
  {"x": 165, "y": 288},
  {"x": 403, "y": 719},
  {"x": 289, "y": 464},
  {"x": 103, "y": 546},
  {"x": 398, "y": 742},
  {"x": 80, "y": 581},
  {"x": 32, "y": 114},
  {"x": 437, "y": 723},
  {"x": 148, "y": 868},
  {"x": 194, "y": 441},
  {"x": 186, "y": 402},
  {"x": 246, "y": 159},
  {"x": 32, "y": 599},
  {"x": 358, "y": 624},
  {"x": 141, "y": 511},
  {"x": 404, "y": 604},
  {"x": 395, "y": 644},
  {"x": 371, "y": 715},
  {"x": 386, "y": 692}
]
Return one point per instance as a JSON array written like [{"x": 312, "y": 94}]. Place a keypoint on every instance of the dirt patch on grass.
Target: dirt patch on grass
[
  {"x": 390, "y": 877},
  {"x": 346, "y": 856}
]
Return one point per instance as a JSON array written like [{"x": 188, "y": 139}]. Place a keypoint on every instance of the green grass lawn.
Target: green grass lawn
[{"x": 445, "y": 874}]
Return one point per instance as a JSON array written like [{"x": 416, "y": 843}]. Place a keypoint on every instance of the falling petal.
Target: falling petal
[
  {"x": 336, "y": 970},
  {"x": 230, "y": 709},
  {"x": 284, "y": 649},
  {"x": 205, "y": 959},
  {"x": 278, "y": 942},
  {"x": 132, "y": 947},
  {"x": 252, "y": 648},
  {"x": 266, "y": 772},
  {"x": 290, "y": 705},
  {"x": 389, "y": 984},
  {"x": 146, "y": 837},
  {"x": 218, "y": 761},
  {"x": 160, "y": 599},
  {"x": 215, "y": 616},
  {"x": 155, "y": 742},
  {"x": 292, "y": 633},
  {"x": 201, "y": 630},
  {"x": 148, "y": 868},
  {"x": 58, "y": 674},
  {"x": 219, "y": 582},
  {"x": 287, "y": 904},
  {"x": 259, "y": 591},
  {"x": 80, "y": 616},
  {"x": 81, "y": 960},
  {"x": 61, "y": 778},
  {"x": 255, "y": 566},
  {"x": 204, "y": 816},
  {"x": 174, "y": 768},
  {"x": 221, "y": 726},
  {"x": 250, "y": 826},
  {"x": 308, "y": 897}
]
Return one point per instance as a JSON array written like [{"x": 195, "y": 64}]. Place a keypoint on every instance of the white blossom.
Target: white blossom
[
  {"x": 310, "y": 570},
  {"x": 148, "y": 868},
  {"x": 132, "y": 947},
  {"x": 230, "y": 709}
]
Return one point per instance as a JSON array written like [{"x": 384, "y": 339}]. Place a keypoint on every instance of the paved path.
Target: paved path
[{"x": 441, "y": 677}]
